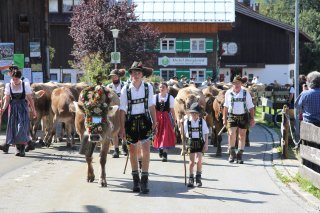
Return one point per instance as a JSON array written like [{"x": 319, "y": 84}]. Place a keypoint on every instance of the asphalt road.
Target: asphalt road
[{"x": 54, "y": 180}]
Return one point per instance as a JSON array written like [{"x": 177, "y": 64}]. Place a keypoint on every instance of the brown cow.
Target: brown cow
[
  {"x": 218, "y": 122},
  {"x": 43, "y": 107},
  {"x": 60, "y": 99},
  {"x": 112, "y": 130}
]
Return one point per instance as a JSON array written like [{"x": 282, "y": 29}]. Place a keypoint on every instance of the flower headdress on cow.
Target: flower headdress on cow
[{"x": 95, "y": 103}]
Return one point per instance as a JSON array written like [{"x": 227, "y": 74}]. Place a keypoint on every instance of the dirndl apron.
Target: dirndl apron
[
  {"x": 165, "y": 137},
  {"x": 18, "y": 120}
]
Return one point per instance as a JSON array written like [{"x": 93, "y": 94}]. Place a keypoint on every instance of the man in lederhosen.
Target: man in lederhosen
[
  {"x": 238, "y": 113},
  {"x": 116, "y": 86},
  {"x": 138, "y": 119}
]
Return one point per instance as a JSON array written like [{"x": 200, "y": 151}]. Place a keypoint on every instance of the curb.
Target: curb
[{"x": 277, "y": 162}]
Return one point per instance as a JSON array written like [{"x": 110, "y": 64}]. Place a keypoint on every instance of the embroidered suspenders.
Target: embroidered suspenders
[
  {"x": 243, "y": 99},
  {"x": 195, "y": 129},
  {"x": 137, "y": 101}
]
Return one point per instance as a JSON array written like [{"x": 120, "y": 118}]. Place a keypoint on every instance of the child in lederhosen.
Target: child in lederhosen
[{"x": 196, "y": 132}]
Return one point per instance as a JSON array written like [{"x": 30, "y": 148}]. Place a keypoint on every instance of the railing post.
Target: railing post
[{"x": 285, "y": 132}]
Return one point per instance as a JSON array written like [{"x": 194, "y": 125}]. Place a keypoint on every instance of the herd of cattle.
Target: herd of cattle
[{"x": 57, "y": 102}]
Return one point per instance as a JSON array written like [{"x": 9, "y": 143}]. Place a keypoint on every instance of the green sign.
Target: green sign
[
  {"x": 115, "y": 57},
  {"x": 18, "y": 60}
]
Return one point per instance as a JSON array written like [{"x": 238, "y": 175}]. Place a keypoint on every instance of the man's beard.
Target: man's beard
[{"x": 116, "y": 81}]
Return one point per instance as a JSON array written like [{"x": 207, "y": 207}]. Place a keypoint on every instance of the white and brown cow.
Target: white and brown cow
[{"x": 109, "y": 133}]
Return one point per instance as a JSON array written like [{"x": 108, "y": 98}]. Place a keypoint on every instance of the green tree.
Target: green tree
[{"x": 95, "y": 69}]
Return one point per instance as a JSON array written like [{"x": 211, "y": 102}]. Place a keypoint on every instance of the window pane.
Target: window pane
[
  {"x": 164, "y": 45},
  {"x": 67, "y": 5},
  {"x": 171, "y": 74},
  {"x": 171, "y": 45},
  {"x": 164, "y": 74},
  {"x": 53, "y": 77},
  {"x": 194, "y": 45},
  {"x": 53, "y": 6},
  {"x": 76, "y": 2},
  {"x": 67, "y": 78},
  {"x": 201, "y": 45}
]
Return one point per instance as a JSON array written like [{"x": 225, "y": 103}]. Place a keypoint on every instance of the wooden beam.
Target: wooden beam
[
  {"x": 191, "y": 27},
  {"x": 310, "y": 153},
  {"x": 310, "y": 132}
]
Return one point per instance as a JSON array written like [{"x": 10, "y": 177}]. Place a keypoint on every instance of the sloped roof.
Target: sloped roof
[
  {"x": 240, "y": 8},
  {"x": 185, "y": 11}
]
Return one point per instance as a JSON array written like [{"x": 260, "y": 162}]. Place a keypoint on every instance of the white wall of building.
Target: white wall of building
[
  {"x": 267, "y": 75},
  {"x": 59, "y": 73}
]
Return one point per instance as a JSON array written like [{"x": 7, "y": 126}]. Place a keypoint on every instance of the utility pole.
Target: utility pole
[{"x": 296, "y": 71}]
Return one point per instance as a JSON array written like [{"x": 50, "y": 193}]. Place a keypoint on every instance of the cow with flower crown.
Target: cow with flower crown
[{"x": 96, "y": 120}]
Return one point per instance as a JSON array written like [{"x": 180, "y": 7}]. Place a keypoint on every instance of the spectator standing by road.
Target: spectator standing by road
[
  {"x": 238, "y": 113},
  {"x": 116, "y": 86},
  {"x": 196, "y": 131},
  {"x": 16, "y": 94},
  {"x": 165, "y": 137},
  {"x": 309, "y": 100},
  {"x": 207, "y": 82},
  {"x": 138, "y": 120}
]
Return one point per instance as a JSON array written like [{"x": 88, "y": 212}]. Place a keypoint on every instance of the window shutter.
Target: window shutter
[
  {"x": 179, "y": 45},
  {"x": 209, "y": 45},
  {"x": 186, "y": 45},
  {"x": 157, "y": 48}
]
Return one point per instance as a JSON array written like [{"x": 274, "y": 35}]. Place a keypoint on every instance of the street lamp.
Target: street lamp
[{"x": 115, "y": 33}]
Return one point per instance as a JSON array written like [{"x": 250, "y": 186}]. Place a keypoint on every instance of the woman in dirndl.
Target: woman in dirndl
[
  {"x": 165, "y": 137},
  {"x": 17, "y": 96}
]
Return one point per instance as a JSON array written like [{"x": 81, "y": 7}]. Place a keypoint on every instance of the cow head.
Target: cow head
[{"x": 94, "y": 105}]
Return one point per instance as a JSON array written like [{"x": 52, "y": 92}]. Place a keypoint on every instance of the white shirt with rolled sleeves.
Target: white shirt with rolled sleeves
[
  {"x": 116, "y": 88},
  {"x": 136, "y": 94},
  {"x": 195, "y": 124},
  {"x": 238, "y": 107},
  {"x": 171, "y": 101},
  {"x": 27, "y": 89}
]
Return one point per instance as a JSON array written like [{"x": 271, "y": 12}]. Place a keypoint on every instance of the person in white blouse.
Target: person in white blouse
[
  {"x": 238, "y": 113},
  {"x": 165, "y": 137},
  {"x": 137, "y": 122},
  {"x": 17, "y": 93},
  {"x": 196, "y": 131},
  {"x": 116, "y": 86}
]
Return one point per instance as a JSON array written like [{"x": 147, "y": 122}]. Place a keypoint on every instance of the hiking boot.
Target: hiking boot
[
  {"x": 30, "y": 146},
  {"x": 136, "y": 181},
  {"x": 198, "y": 181},
  {"x": 191, "y": 182},
  {"x": 116, "y": 153},
  {"x": 144, "y": 183},
  {"x": 160, "y": 153},
  {"x": 232, "y": 153},
  {"x": 239, "y": 156},
  {"x": 165, "y": 157},
  {"x": 5, "y": 148}
]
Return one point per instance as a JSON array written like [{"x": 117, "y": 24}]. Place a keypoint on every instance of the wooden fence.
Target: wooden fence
[
  {"x": 273, "y": 100},
  {"x": 310, "y": 152}
]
